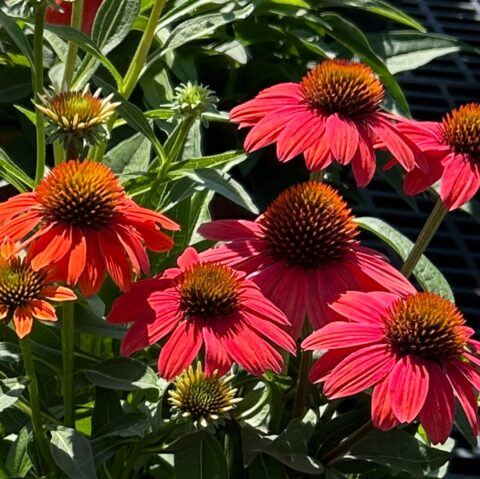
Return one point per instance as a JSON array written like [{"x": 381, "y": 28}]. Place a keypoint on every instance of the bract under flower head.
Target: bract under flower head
[
  {"x": 303, "y": 252},
  {"x": 201, "y": 398},
  {"x": 331, "y": 115},
  {"x": 415, "y": 351},
  {"x": 87, "y": 226},
  {"x": 25, "y": 293},
  {"x": 451, "y": 154},
  {"x": 203, "y": 304}
]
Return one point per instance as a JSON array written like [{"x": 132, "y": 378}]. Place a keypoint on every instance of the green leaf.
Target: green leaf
[
  {"x": 229, "y": 158},
  {"x": 126, "y": 425},
  {"x": 404, "y": 50},
  {"x": 429, "y": 277},
  {"x": 11, "y": 390},
  {"x": 18, "y": 460},
  {"x": 265, "y": 467},
  {"x": 17, "y": 35},
  {"x": 223, "y": 184},
  {"x": 72, "y": 453},
  {"x": 125, "y": 374},
  {"x": 202, "y": 26},
  {"x": 14, "y": 174},
  {"x": 107, "y": 408},
  {"x": 202, "y": 458},
  {"x": 351, "y": 37},
  {"x": 113, "y": 23},
  {"x": 86, "y": 44},
  {"x": 401, "y": 451}
]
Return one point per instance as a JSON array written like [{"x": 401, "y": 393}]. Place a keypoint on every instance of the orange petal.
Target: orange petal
[
  {"x": 3, "y": 311},
  {"x": 22, "y": 318},
  {"x": 7, "y": 247},
  {"x": 78, "y": 256},
  {"x": 58, "y": 293},
  {"x": 42, "y": 310}
]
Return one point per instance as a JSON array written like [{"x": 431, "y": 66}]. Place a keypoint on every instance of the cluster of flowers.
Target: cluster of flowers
[{"x": 238, "y": 301}]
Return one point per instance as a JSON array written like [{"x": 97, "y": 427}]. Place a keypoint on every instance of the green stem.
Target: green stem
[
  {"x": 134, "y": 70},
  {"x": 37, "y": 425},
  {"x": 347, "y": 443},
  {"x": 23, "y": 406},
  {"x": 132, "y": 457},
  {"x": 77, "y": 16},
  {"x": 68, "y": 344},
  {"x": 428, "y": 232},
  {"x": 302, "y": 384},
  {"x": 317, "y": 175},
  {"x": 38, "y": 88}
]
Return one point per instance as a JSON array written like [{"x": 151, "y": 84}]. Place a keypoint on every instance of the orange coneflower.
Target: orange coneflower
[
  {"x": 88, "y": 225},
  {"x": 25, "y": 292}
]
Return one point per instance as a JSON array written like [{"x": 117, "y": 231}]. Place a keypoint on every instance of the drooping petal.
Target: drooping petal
[
  {"x": 383, "y": 417},
  {"x": 19, "y": 227},
  {"x": 225, "y": 230},
  {"x": 216, "y": 357},
  {"x": 438, "y": 412},
  {"x": 77, "y": 256},
  {"x": 363, "y": 162},
  {"x": 57, "y": 293},
  {"x": 299, "y": 134},
  {"x": 327, "y": 363},
  {"x": 144, "y": 333},
  {"x": 115, "y": 259},
  {"x": 364, "y": 307},
  {"x": 408, "y": 388},
  {"x": 51, "y": 247},
  {"x": 154, "y": 239},
  {"x": 180, "y": 349},
  {"x": 463, "y": 391},
  {"x": 42, "y": 310},
  {"x": 134, "y": 248},
  {"x": 17, "y": 205},
  {"x": 146, "y": 216},
  {"x": 95, "y": 270},
  {"x": 22, "y": 319},
  {"x": 188, "y": 258},
  {"x": 343, "y": 335},
  {"x": 342, "y": 137},
  {"x": 318, "y": 156},
  {"x": 359, "y": 371},
  {"x": 4, "y": 310},
  {"x": 393, "y": 140},
  {"x": 460, "y": 182}
]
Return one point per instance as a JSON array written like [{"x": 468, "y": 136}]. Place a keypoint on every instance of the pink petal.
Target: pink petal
[
  {"x": 382, "y": 413},
  {"x": 343, "y": 335},
  {"x": 299, "y": 134},
  {"x": 364, "y": 307},
  {"x": 417, "y": 181},
  {"x": 188, "y": 258},
  {"x": 318, "y": 156},
  {"x": 363, "y": 162},
  {"x": 393, "y": 140},
  {"x": 386, "y": 276},
  {"x": 359, "y": 371},
  {"x": 471, "y": 373},
  {"x": 438, "y": 412},
  {"x": 460, "y": 182},
  {"x": 256, "y": 304},
  {"x": 180, "y": 349},
  {"x": 408, "y": 388},
  {"x": 342, "y": 137},
  {"x": 463, "y": 391},
  {"x": 216, "y": 357},
  {"x": 225, "y": 230},
  {"x": 327, "y": 362}
]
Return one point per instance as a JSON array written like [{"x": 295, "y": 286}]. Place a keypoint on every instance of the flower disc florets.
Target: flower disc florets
[
  {"x": 77, "y": 116},
  {"x": 340, "y": 86},
  {"x": 461, "y": 130},
  {"x": 200, "y": 398},
  {"x": 309, "y": 225},
  {"x": 426, "y": 325}
]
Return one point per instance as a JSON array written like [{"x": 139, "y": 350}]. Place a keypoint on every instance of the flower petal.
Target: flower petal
[
  {"x": 327, "y": 362},
  {"x": 4, "y": 310},
  {"x": 342, "y": 137},
  {"x": 225, "y": 230},
  {"x": 51, "y": 247},
  {"x": 363, "y": 162},
  {"x": 77, "y": 256},
  {"x": 408, "y": 388},
  {"x": 382, "y": 413},
  {"x": 94, "y": 272},
  {"x": 188, "y": 258},
  {"x": 22, "y": 319},
  {"x": 438, "y": 412},
  {"x": 58, "y": 293},
  {"x": 359, "y": 371},
  {"x": 115, "y": 259},
  {"x": 43, "y": 310}
]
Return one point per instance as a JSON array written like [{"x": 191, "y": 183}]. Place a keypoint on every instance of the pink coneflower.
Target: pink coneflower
[
  {"x": 415, "y": 351},
  {"x": 303, "y": 252},
  {"x": 203, "y": 304},
  {"x": 87, "y": 226},
  {"x": 332, "y": 114},
  {"x": 451, "y": 153}
]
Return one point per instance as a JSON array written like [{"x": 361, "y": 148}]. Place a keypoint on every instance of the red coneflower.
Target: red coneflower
[
  {"x": 203, "y": 304},
  {"x": 451, "y": 152},
  {"x": 303, "y": 252},
  {"x": 88, "y": 226},
  {"x": 90, "y": 9},
  {"x": 415, "y": 351},
  {"x": 25, "y": 293},
  {"x": 332, "y": 114}
]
